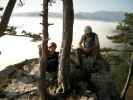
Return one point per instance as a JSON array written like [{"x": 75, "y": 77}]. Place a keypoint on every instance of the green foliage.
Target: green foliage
[
  {"x": 119, "y": 67},
  {"x": 118, "y": 60},
  {"x": 120, "y": 74},
  {"x": 107, "y": 50},
  {"x": 11, "y": 30},
  {"x": 35, "y": 37},
  {"x": 129, "y": 19},
  {"x": 127, "y": 24},
  {"x": 120, "y": 38},
  {"x": 126, "y": 31}
]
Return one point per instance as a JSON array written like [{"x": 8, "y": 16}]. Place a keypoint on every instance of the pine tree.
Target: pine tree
[
  {"x": 125, "y": 29},
  {"x": 124, "y": 67}
]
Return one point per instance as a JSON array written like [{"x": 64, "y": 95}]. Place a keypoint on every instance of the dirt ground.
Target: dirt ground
[{"x": 130, "y": 93}]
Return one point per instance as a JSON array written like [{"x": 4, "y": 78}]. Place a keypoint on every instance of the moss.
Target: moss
[
  {"x": 119, "y": 68},
  {"x": 119, "y": 73}
]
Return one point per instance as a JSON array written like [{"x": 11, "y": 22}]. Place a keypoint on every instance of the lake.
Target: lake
[{"x": 16, "y": 49}]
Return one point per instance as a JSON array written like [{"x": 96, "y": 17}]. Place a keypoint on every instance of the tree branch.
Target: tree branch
[
  {"x": 6, "y": 16},
  {"x": 130, "y": 72}
]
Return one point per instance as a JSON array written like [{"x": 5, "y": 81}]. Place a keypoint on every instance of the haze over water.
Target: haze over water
[{"x": 16, "y": 49}]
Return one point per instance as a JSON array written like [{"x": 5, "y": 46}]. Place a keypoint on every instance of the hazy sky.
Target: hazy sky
[
  {"x": 96, "y": 5},
  {"x": 81, "y": 5}
]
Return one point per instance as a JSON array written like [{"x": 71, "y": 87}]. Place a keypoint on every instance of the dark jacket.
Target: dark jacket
[{"x": 52, "y": 62}]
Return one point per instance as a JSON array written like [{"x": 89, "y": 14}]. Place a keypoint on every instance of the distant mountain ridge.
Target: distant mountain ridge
[{"x": 100, "y": 15}]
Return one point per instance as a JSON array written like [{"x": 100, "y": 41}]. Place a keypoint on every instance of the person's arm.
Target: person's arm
[
  {"x": 85, "y": 50},
  {"x": 81, "y": 41},
  {"x": 96, "y": 44}
]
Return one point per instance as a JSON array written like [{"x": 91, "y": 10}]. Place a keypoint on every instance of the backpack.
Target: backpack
[{"x": 90, "y": 43}]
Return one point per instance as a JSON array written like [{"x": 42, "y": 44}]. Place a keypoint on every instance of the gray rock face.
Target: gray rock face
[
  {"x": 18, "y": 83},
  {"x": 92, "y": 73},
  {"x": 88, "y": 77}
]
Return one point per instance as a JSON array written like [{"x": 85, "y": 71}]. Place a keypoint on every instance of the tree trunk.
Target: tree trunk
[
  {"x": 44, "y": 54},
  {"x": 6, "y": 16},
  {"x": 68, "y": 19}
]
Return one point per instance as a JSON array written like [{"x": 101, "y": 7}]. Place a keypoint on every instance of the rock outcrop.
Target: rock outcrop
[
  {"x": 94, "y": 74},
  {"x": 19, "y": 81},
  {"x": 89, "y": 79}
]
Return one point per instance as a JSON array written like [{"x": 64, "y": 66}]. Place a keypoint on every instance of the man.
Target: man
[
  {"x": 88, "y": 51},
  {"x": 89, "y": 43},
  {"x": 95, "y": 68},
  {"x": 52, "y": 58}
]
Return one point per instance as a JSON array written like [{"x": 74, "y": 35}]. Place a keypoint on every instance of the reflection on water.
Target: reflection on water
[{"x": 15, "y": 49}]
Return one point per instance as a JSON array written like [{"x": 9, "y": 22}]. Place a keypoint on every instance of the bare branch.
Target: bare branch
[
  {"x": 21, "y": 3},
  {"x": 130, "y": 72}
]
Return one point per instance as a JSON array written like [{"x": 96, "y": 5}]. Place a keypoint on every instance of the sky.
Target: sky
[
  {"x": 80, "y": 6},
  {"x": 98, "y": 5}
]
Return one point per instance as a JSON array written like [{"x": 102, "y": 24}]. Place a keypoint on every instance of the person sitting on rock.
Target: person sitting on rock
[
  {"x": 52, "y": 58},
  {"x": 89, "y": 49},
  {"x": 89, "y": 43},
  {"x": 94, "y": 68}
]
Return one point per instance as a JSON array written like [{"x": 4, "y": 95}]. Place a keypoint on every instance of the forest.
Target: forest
[{"x": 106, "y": 76}]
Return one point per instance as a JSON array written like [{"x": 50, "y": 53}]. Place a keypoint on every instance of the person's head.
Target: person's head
[
  {"x": 52, "y": 47},
  {"x": 88, "y": 30}
]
